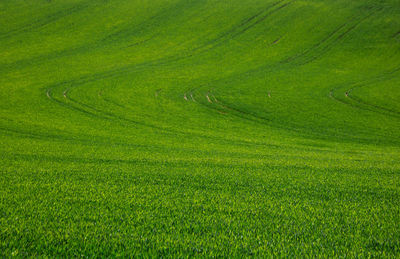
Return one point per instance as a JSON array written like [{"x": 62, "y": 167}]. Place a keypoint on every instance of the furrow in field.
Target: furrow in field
[
  {"x": 384, "y": 110},
  {"x": 358, "y": 103},
  {"x": 325, "y": 49},
  {"x": 328, "y": 42},
  {"x": 87, "y": 109},
  {"x": 355, "y": 104},
  {"x": 226, "y": 109},
  {"x": 74, "y": 108},
  {"x": 169, "y": 58},
  {"x": 241, "y": 28},
  {"x": 101, "y": 114}
]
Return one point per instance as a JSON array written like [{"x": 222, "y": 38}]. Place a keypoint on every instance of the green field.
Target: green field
[{"x": 209, "y": 128}]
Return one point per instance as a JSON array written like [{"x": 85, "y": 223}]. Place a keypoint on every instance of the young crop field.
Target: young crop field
[{"x": 200, "y": 128}]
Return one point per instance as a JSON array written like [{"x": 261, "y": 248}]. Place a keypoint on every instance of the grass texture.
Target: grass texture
[{"x": 209, "y": 128}]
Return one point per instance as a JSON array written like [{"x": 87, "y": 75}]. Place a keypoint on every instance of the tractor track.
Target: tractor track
[{"x": 358, "y": 103}]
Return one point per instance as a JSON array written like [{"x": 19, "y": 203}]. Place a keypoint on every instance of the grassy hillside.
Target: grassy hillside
[{"x": 200, "y": 128}]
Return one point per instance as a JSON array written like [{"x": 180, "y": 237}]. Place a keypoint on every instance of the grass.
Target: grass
[{"x": 200, "y": 128}]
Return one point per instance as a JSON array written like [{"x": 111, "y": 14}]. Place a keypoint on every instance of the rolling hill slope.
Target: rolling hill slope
[{"x": 200, "y": 128}]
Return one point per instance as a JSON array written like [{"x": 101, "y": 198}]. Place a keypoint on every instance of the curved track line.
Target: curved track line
[
  {"x": 362, "y": 105},
  {"x": 113, "y": 116},
  {"x": 228, "y": 109},
  {"x": 327, "y": 42},
  {"x": 243, "y": 27}
]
